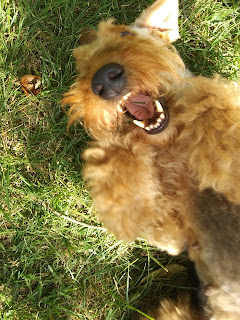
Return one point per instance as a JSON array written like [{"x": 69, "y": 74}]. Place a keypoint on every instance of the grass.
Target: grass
[{"x": 50, "y": 267}]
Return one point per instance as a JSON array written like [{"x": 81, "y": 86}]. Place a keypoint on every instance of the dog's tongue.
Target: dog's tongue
[{"x": 140, "y": 106}]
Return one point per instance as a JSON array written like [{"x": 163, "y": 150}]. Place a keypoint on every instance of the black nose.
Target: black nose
[{"x": 108, "y": 81}]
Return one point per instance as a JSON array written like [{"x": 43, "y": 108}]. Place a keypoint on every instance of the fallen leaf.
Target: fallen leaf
[{"x": 30, "y": 84}]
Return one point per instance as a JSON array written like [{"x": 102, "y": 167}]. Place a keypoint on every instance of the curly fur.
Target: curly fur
[{"x": 180, "y": 189}]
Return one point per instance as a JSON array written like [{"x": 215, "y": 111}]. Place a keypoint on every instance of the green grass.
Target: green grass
[{"x": 50, "y": 267}]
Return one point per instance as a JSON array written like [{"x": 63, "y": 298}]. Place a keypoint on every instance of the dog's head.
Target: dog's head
[{"x": 128, "y": 75}]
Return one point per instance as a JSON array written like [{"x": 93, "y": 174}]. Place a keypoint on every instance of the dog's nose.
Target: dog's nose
[{"x": 108, "y": 81}]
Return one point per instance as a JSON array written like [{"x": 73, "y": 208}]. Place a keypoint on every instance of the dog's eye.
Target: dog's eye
[{"x": 126, "y": 33}]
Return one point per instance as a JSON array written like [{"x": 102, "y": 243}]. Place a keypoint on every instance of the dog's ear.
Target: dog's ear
[
  {"x": 163, "y": 16},
  {"x": 87, "y": 36}
]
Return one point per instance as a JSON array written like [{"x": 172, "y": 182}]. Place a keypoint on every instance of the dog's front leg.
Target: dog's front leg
[{"x": 128, "y": 194}]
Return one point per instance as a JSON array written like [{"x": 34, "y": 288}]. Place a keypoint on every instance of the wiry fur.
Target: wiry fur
[{"x": 180, "y": 188}]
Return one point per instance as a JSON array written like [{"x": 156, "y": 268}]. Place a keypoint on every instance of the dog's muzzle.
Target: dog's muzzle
[
  {"x": 108, "y": 81},
  {"x": 151, "y": 115}
]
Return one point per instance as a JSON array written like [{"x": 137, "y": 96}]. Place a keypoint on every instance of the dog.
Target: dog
[{"x": 164, "y": 163}]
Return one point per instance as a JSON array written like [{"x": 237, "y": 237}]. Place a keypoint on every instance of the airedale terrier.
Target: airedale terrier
[{"x": 164, "y": 163}]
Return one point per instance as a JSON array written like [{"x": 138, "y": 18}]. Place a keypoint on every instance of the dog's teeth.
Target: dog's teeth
[
  {"x": 158, "y": 106},
  {"x": 127, "y": 96},
  {"x": 162, "y": 116},
  {"x": 139, "y": 123},
  {"x": 120, "y": 108},
  {"x": 156, "y": 125},
  {"x": 147, "y": 128},
  {"x": 159, "y": 120},
  {"x": 151, "y": 126}
]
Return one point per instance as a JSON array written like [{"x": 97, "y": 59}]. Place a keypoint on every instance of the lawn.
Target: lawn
[{"x": 56, "y": 260}]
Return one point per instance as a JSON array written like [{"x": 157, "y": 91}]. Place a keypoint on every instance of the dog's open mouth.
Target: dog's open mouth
[{"x": 146, "y": 113}]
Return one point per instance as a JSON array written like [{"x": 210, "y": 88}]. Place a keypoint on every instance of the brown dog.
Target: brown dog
[{"x": 165, "y": 160}]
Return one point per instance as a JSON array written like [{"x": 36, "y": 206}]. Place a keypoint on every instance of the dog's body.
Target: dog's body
[{"x": 172, "y": 175}]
